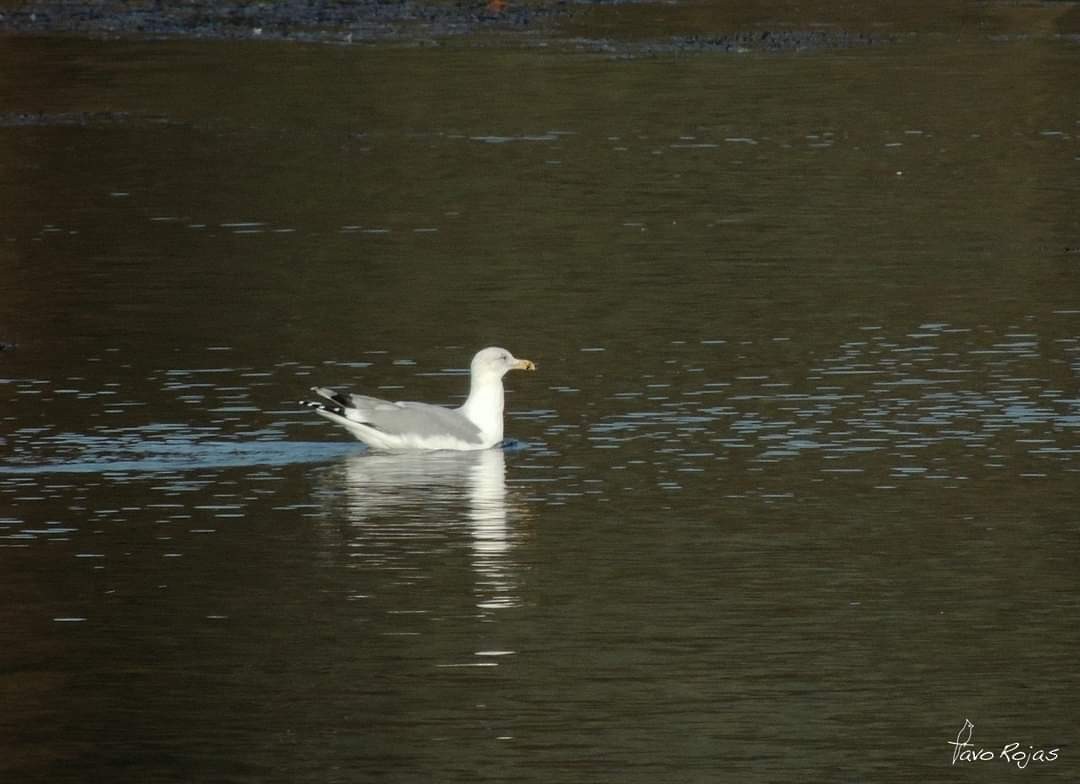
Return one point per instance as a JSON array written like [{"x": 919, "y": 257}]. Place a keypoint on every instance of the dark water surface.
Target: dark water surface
[{"x": 794, "y": 493}]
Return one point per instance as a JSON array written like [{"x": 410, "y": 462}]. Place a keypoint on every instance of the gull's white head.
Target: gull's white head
[{"x": 494, "y": 362}]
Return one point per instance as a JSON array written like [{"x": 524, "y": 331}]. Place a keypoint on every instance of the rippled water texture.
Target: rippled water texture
[{"x": 793, "y": 493}]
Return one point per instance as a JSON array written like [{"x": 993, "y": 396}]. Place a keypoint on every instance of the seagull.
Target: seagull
[{"x": 405, "y": 426}]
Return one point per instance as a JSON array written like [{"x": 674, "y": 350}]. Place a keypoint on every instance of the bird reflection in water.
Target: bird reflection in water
[{"x": 400, "y": 501}]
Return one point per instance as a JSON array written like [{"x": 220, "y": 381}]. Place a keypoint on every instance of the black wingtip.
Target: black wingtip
[
  {"x": 336, "y": 398},
  {"x": 319, "y": 406}
]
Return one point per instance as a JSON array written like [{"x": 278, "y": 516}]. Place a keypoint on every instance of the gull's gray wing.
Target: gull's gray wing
[{"x": 417, "y": 419}]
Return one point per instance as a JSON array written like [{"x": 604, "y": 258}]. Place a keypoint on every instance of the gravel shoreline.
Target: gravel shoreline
[
  {"x": 301, "y": 20},
  {"x": 405, "y": 21},
  {"x": 620, "y": 27}
]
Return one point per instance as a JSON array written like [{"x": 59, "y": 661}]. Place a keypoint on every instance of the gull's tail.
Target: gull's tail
[{"x": 334, "y": 403}]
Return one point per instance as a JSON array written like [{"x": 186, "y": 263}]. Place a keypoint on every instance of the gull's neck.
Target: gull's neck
[{"x": 484, "y": 406}]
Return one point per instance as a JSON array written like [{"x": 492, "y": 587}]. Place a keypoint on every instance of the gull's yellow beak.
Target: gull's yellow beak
[{"x": 524, "y": 364}]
